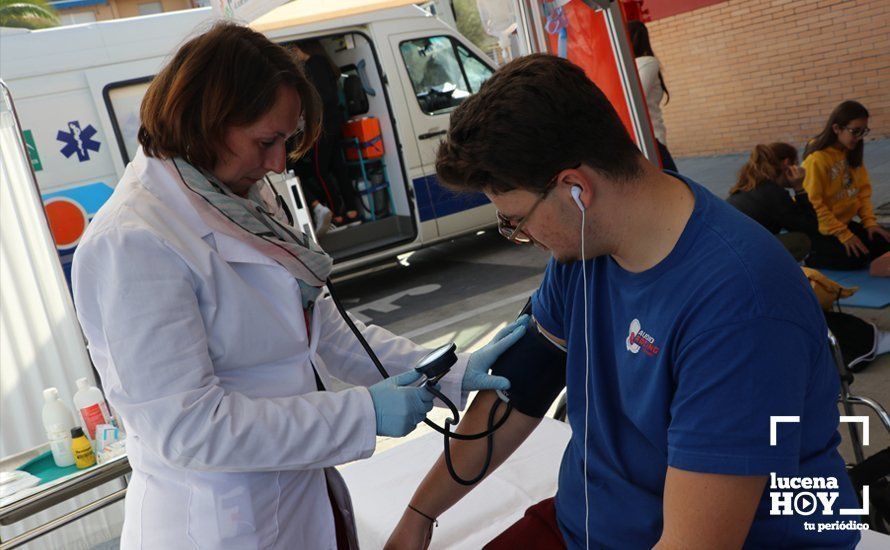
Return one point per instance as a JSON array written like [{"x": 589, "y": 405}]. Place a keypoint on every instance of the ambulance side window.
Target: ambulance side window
[
  {"x": 477, "y": 71},
  {"x": 443, "y": 73},
  {"x": 122, "y": 99}
]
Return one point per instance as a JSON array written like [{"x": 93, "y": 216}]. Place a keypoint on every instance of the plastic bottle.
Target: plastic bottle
[
  {"x": 91, "y": 407},
  {"x": 57, "y": 421},
  {"x": 82, "y": 449}
]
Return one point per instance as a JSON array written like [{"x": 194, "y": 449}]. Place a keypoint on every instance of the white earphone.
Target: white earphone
[{"x": 576, "y": 194}]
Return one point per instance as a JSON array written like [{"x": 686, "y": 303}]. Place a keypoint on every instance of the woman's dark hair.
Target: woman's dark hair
[
  {"x": 639, "y": 41},
  {"x": 842, "y": 115},
  {"x": 311, "y": 48},
  {"x": 784, "y": 151},
  {"x": 535, "y": 116},
  {"x": 228, "y": 76}
]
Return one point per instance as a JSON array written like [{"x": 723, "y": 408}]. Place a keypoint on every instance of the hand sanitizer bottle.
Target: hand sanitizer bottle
[{"x": 57, "y": 421}]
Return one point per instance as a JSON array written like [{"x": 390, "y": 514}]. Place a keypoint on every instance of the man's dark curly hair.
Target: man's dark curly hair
[{"x": 535, "y": 116}]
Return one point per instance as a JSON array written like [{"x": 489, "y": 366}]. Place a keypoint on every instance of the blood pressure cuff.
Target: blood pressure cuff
[{"x": 536, "y": 369}]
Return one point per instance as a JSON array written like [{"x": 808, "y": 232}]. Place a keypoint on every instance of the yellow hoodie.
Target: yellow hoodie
[{"x": 838, "y": 192}]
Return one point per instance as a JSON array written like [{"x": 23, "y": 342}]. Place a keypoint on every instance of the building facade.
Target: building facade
[
  {"x": 85, "y": 11},
  {"x": 742, "y": 72}
]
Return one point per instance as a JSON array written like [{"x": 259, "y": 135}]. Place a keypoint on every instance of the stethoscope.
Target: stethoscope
[{"x": 432, "y": 368}]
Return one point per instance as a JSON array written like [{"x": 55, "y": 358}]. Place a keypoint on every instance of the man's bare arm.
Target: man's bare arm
[
  {"x": 438, "y": 491},
  {"x": 708, "y": 510}
]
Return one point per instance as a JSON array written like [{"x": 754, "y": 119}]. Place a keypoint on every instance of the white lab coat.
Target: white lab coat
[{"x": 201, "y": 345}]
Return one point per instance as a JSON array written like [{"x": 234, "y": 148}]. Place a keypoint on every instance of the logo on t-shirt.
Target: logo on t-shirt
[{"x": 638, "y": 339}]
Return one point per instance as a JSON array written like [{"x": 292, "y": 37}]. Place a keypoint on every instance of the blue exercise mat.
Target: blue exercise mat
[{"x": 874, "y": 292}]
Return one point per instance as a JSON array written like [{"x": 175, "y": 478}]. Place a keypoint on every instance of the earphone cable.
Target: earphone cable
[{"x": 586, "y": 387}]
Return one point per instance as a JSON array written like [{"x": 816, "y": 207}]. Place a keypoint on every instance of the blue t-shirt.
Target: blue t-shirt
[{"x": 688, "y": 361}]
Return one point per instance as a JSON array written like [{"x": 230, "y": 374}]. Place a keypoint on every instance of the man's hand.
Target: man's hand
[
  {"x": 708, "y": 510},
  {"x": 855, "y": 247},
  {"x": 878, "y": 231}
]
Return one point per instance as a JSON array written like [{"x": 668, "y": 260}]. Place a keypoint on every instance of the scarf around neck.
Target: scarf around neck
[{"x": 251, "y": 221}]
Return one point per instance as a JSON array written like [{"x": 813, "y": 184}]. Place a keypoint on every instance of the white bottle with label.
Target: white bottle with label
[
  {"x": 57, "y": 421},
  {"x": 91, "y": 408}
]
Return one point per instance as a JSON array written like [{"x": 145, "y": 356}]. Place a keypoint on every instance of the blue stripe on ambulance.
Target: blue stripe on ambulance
[{"x": 435, "y": 201}]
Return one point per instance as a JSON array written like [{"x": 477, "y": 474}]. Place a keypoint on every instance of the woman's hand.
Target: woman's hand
[
  {"x": 878, "y": 231},
  {"x": 414, "y": 532},
  {"x": 855, "y": 247},
  {"x": 476, "y": 376},
  {"x": 794, "y": 176},
  {"x": 398, "y": 405}
]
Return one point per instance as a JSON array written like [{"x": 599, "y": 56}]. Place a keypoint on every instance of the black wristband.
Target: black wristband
[{"x": 434, "y": 521}]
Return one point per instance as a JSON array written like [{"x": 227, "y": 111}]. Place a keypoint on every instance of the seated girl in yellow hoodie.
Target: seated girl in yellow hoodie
[{"x": 839, "y": 190}]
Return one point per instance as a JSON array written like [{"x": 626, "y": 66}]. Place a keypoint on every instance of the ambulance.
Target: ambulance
[{"x": 404, "y": 68}]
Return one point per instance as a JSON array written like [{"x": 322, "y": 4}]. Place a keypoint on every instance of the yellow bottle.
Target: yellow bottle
[{"x": 81, "y": 449}]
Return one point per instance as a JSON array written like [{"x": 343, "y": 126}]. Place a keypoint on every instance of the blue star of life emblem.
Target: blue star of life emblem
[{"x": 78, "y": 140}]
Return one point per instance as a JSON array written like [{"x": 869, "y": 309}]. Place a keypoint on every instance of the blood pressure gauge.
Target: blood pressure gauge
[{"x": 436, "y": 364}]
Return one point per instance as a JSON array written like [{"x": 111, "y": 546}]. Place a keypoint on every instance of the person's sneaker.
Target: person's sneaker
[{"x": 322, "y": 218}]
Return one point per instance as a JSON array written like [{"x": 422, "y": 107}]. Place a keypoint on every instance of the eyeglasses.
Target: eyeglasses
[
  {"x": 514, "y": 233},
  {"x": 858, "y": 132}
]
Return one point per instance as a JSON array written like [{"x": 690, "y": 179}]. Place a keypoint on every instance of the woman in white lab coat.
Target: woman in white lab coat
[{"x": 207, "y": 324}]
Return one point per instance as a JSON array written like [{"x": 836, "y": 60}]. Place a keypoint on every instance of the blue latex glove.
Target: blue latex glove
[
  {"x": 399, "y": 407},
  {"x": 476, "y": 376}
]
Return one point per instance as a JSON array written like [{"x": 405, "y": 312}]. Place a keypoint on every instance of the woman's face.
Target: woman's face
[
  {"x": 850, "y": 135},
  {"x": 259, "y": 148}
]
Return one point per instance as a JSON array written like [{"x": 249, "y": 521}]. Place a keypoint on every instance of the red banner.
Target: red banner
[{"x": 588, "y": 46}]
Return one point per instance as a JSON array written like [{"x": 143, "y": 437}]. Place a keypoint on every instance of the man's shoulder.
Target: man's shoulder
[{"x": 745, "y": 272}]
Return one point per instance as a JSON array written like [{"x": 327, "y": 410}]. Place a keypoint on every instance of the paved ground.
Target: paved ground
[{"x": 462, "y": 291}]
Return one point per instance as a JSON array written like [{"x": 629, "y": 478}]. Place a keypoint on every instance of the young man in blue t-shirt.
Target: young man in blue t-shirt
[{"x": 687, "y": 328}]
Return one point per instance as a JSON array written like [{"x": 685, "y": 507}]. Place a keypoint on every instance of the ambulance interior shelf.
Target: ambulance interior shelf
[
  {"x": 384, "y": 203},
  {"x": 373, "y": 187},
  {"x": 363, "y": 152}
]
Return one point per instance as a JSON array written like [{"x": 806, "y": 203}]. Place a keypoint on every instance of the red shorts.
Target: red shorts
[{"x": 536, "y": 529}]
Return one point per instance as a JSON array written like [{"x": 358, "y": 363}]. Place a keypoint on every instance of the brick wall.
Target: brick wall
[{"x": 743, "y": 72}]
